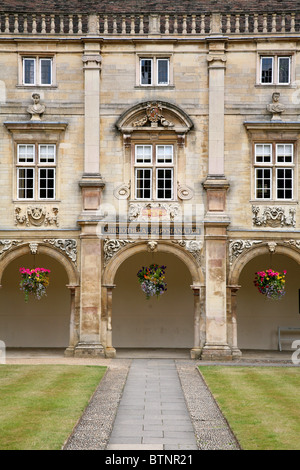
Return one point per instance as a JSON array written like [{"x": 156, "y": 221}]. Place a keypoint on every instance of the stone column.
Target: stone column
[
  {"x": 109, "y": 349},
  {"x": 236, "y": 353},
  {"x": 196, "y": 351},
  {"x": 73, "y": 337}
]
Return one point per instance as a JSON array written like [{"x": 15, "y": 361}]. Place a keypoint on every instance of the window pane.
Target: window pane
[
  {"x": 267, "y": 70},
  {"x": 164, "y": 153},
  {"x": 46, "y": 153},
  {"x": 143, "y": 183},
  {"x": 143, "y": 153},
  {"x": 164, "y": 183},
  {"x": 283, "y": 70},
  {"x": 284, "y": 153},
  {"x": 25, "y": 183},
  {"x": 146, "y": 71},
  {"x": 46, "y": 183},
  {"x": 263, "y": 153},
  {"x": 163, "y": 71},
  {"x": 46, "y": 71},
  {"x": 284, "y": 183},
  {"x": 25, "y": 153},
  {"x": 29, "y": 71},
  {"x": 263, "y": 183}
]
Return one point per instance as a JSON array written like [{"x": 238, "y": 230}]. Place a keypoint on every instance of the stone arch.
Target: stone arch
[
  {"x": 16, "y": 252},
  {"x": 135, "y": 248},
  {"x": 255, "y": 251},
  {"x": 240, "y": 280},
  {"x": 71, "y": 275},
  {"x": 162, "y": 246}
]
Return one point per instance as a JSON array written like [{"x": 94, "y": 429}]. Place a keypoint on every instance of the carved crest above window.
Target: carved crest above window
[{"x": 159, "y": 116}]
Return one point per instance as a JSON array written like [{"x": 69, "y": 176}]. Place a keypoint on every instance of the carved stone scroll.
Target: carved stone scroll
[
  {"x": 111, "y": 247},
  {"x": 69, "y": 246},
  {"x": 192, "y": 246},
  {"x": 6, "y": 245},
  {"x": 236, "y": 247}
]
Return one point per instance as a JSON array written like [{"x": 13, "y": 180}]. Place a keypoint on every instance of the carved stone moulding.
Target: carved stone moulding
[
  {"x": 68, "y": 246},
  {"x": 144, "y": 212},
  {"x": 6, "y": 245},
  {"x": 192, "y": 246},
  {"x": 112, "y": 246},
  {"x": 273, "y": 216},
  {"x": 237, "y": 247},
  {"x": 36, "y": 215}
]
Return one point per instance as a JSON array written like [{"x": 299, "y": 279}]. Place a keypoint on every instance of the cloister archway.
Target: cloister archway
[
  {"x": 176, "y": 320},
  {"x": 257, "y": 318},
  {"x": 45, "y": 323}
]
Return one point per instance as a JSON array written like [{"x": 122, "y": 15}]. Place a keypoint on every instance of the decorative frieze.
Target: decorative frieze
[
  {"x": 273, "y": 216},
  {"x": 237, "y": 247},
  {"x": 112, "y": 246},
  {"x": 36, "y": 215},
  {"x": 6, "y": 245},
  {"x": 144, "y": 212},
  {"x": 69, "y": 246}
]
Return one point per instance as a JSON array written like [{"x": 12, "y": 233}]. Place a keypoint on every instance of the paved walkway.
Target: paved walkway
[
  {"x": 153, "y": 413},
  {"x": 152, "y": 404}
]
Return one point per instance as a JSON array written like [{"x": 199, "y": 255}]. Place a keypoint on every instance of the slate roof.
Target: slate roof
[{"x": 148, "y": 6}]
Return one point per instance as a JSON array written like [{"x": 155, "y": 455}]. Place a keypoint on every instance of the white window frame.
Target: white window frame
[
  {"x": 275, "y": 69},
  {"x": 36, "y": 165},
  {"x": 273, "y": 165},
  {"x": 154, "y": 59},
  {"x": 153, "y": 165},
  {"x": 37, "y": 59},
  {"x": 158, "y": 60}
]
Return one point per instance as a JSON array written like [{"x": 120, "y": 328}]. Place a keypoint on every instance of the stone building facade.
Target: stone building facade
[{"x": 165, "y": 133}]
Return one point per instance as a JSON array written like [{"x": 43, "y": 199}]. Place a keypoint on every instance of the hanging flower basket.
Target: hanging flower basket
[
  {"x": 34, "y": 282},
  {"x": 270, "y": 283},
  {"x": 152, "y": 281}
]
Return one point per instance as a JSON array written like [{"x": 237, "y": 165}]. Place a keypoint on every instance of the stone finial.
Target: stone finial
[
  {"x": 275, "y": 107},
  {"x": 36, "y": 109}
]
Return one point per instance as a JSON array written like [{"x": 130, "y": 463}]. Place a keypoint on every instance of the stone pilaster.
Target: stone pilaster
[
  {"x": 90, "y": 303},
  {"x": 216, "y": 219}
]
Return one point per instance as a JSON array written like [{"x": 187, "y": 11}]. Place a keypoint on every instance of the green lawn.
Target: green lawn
[
  {"x": 41, "y": 404},
  {"x": 261, "y": 404}
]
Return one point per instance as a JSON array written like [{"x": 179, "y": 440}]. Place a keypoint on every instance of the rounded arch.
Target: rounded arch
[
  {"x": 180, "y": 118},
  {"x": 139, "y": 247},
  {"x": 16, "y": 252},
  {"x": 253, "y": 252}
]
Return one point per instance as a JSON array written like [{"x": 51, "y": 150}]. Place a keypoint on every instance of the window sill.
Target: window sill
[
  {"x": 274, "y": 85},
  {"x": 273, "y": 201},
  {"x": 41, "y": 87},
  {"x": 155, "y": 87}
]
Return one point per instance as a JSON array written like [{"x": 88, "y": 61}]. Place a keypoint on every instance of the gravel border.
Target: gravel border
[
  {"x": 93, "y": 429},
  {"x": 211, "y": 428}
]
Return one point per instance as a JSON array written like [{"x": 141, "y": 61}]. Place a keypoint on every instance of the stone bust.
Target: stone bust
[
  {"x": 36, "y": 109},
  {"x": 275, "y": 107}
]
